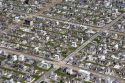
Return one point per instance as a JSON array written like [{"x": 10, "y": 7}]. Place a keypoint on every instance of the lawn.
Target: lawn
[{"x": 9, "y": 69}]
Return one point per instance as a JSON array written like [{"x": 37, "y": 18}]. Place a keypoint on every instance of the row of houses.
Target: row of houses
[
  {"x": 97, "y": 12},
  {"x": 104, "y": 55},
  {"x": 19, "y": 68}
]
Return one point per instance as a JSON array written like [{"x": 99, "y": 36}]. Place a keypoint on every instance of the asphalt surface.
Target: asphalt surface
[
  {"x": 105, "y": 28},
  {"x": 62, "y": 64},
  {"x": 81, "y": 47},
  {"x": 93, "y": 37}
]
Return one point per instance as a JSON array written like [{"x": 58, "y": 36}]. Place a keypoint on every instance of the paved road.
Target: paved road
[
  {"x": 114, "y": 21},
  {"x": 41, "y": 16},
  {"x": 105, "y": 28},
  {"x": 81, "y": 47},
  {"x": 92, "y": 38},
  {"x": 61, "y": 64},
  {"x": 96, "y": 73},
  {"x": 48, "y": 6}
]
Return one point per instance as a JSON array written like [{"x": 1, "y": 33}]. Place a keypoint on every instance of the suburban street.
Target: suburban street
[
  {"x": 92, "y": 38},
  {"x": 38, "y": 31},
  {"x": 61, "y": 64},
  {"x": 105, "y": 28},
  {"x": 81, "y": 47},
  {"x": 48, "y": 6}
]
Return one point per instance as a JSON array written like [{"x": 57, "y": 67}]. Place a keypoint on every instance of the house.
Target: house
[
  {"x": 53, "y": 76},
  {"x": 9, "y": 81},
  {"x": 70, "y": 71},
  {"x": 114, "y": 57},
  {"x": 44, "y": 65},
  {"x": 47, "y": 38},
  {"x": 17, "y": 19},
  {"x": 117, "y": 66},
  {"x": 101, "y": 23},
  {"x": 102, "y": 57},
  {"x": 105, "y": 51},
  {"x": 28, "y": 22},
  {"x": 24, "y": 42},
  {"x": 115, "y": 36},
  {"x": 70, "y": 61},
  {"x": 57, "y": 22},
  {"x": 14, "y": 58},
  {"x": 82, "y": 40},
  {"x": 21, "y": 58},
  {"x": 85, "y": 74},
  {"x": 36, "y": 49},
  {"x": 109, "y": 71},
  {"x": 74, "y": 44},
  {"x": 90, "y": 57},
  {"x": 57, "y": 57},
  {"x": 107, "y": 4},
  {"x": 28, "y": 78},
  {"x": 116, "y": 46}
]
